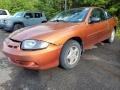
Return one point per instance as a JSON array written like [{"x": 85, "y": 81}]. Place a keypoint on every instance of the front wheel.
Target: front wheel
[
  {"x": 17, "y": 26},
  {"x": 70, "y": 54}
]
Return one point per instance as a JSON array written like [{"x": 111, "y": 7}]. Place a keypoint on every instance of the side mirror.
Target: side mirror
[
  {"x": 27, "y": 17},
  {"x": 94, "y": 20}
]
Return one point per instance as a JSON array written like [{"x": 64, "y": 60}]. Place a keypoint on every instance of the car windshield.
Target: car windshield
[
  {"x": 18, "y": 14},
  {"x": 74, "y": 15}
]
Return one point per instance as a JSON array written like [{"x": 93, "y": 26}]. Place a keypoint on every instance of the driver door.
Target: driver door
[
  {"x": 29, "y": 19},
  {"x": 95, "y": 29}
]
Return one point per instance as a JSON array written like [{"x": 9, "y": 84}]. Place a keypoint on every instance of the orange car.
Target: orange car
[{"x": 62, "y": 40}]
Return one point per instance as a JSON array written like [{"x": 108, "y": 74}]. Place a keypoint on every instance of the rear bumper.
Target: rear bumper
[{"x": 40, "y": 59}]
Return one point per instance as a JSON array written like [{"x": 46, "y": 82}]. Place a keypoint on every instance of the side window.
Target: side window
[
  {"x": 95, "y": 13},
  {"x": 3, "y": 12},
  {"x": 102, "y": 14},
  {"x": 108, "y": 15},
  {"x": 38, "y": 15},
  {"x": 30, "y": 15},
  {"x": 98, "y": 13}
]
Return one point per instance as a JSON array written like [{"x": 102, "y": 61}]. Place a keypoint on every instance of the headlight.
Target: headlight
[
  {"x": 33, "y": 44},
  {"x": 8, "y": 22}
]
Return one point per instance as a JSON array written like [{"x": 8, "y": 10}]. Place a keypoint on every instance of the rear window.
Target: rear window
[
  {"x": 38, "y": 15},
  {"x": 2, "y": 12}
]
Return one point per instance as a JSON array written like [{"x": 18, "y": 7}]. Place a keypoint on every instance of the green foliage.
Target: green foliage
[
  {"x": 118, "y": 33},
  {"x": 51, "y": 7},
  {"x": 17, "y": 5},
  {"x": 118, "y": 30}
]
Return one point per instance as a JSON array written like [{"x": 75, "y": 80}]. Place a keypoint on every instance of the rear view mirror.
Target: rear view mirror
[{"x": 94, "y": 19}]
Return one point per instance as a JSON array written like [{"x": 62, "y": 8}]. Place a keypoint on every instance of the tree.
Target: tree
[{"x": 51, "y": 7}]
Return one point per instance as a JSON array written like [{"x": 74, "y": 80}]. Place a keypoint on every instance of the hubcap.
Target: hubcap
[
  {"x": 72, "y": 55},
  {"x": 112, "y": 36}
]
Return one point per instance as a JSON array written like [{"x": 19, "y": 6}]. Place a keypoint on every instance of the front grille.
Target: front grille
[
  {"x": 15, "y": 44},
  {"x": 10, "y": 46}
]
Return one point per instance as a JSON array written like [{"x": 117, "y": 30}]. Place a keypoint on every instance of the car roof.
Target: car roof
[
  {"x": 3, "y": 9},
  {"x": 30, "y": 11},
  {"x": 85, "y": 7}
]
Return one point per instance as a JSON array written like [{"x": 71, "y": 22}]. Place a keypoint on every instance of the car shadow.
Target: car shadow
[
  {"x": 22, "y": 79},
  {"x": 25, "y": 79}
]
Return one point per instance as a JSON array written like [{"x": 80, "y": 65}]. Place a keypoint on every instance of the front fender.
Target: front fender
[{"x": 60, "y": 38}]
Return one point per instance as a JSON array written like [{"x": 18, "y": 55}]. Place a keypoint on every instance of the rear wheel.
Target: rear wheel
[
  {"x": 70, "y": 54},
  {"x": 17, "y": 26},
  {"x": 112, "y": 37},
  {"x": 44, "y": 21}
]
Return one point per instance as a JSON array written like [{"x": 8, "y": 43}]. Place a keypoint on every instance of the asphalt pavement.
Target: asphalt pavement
[{"x": 98, "y": 69}]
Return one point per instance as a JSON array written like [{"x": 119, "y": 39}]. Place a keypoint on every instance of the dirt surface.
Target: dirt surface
[{"x": 98, "y": 69}]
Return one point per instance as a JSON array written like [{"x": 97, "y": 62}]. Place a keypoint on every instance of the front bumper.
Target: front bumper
[
  {"x": 8, "y": 28},
  {"x": 39, "y": 59},
  {"x": 2, "y": 26}
]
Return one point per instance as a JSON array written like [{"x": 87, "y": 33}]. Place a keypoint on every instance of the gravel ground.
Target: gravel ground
[{"x": 98, "y": 69}]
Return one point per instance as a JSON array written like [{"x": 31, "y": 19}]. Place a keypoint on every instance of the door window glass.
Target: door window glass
[
  {"x": 108, "y": 15},
  {"x": 38, "y": 15},
  {"x": 98, "y": 13},
  {"x": 29, "y": 14}
]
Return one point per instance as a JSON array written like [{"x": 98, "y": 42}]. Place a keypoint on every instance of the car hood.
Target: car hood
[
  {"x": 4, "y": 17},
  {"x": 39, "y": 31},
  {"x": 12, "y": 18}
]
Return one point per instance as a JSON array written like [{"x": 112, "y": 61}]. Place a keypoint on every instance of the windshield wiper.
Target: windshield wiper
[{"x": 57, "y": 20}]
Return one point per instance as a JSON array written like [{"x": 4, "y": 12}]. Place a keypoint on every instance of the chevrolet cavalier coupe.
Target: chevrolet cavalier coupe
[{"x": 62, "y": 40}]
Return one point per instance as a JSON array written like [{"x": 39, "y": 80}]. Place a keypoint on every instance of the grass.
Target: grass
[{"x": 118, "y": 31}]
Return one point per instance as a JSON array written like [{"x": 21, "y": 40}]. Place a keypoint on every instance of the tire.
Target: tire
[
  {"x": 17, "y": 26},
  {"x": 44, "y": 21},
  {"x": 112, "y": 37},
  {"x": 70, "y": 54}
]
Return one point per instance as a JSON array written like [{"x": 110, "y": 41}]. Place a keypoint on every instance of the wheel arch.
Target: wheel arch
[
  {"x": 79, "y": 40},
  {"x": 19, "y": 23}
]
